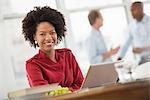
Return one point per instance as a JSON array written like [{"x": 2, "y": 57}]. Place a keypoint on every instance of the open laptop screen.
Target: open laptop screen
[{"x": 100, "y": 74}]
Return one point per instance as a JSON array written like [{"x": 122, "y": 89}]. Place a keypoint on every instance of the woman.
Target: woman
[{"x": 44, "y": 27}]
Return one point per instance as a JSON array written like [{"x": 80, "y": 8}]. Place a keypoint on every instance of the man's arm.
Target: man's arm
[
  {"x": 125, "y": 47},
  {"x": 140, "y": 50}
]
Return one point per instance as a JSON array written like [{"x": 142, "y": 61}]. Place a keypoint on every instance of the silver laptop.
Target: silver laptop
[{"x": 100, "y": 74}]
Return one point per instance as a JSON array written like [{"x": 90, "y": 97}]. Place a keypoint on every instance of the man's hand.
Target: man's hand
[
  {"x": 114, "y": 50},
  {"x": 137, "y": 50},
  {"x": 110, "y": 53}
]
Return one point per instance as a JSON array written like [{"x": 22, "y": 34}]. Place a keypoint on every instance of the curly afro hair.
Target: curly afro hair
[{"x": 43, "y": 14}]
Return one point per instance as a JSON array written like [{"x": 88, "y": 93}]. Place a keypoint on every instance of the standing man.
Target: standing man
[
  {"x": 139, "y": 34},
  {"x": 96, "y": 46}
]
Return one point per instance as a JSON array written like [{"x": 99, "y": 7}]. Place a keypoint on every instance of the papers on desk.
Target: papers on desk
[
  {"x": 28, "y": 93},
  {"x": 142, "y": 71},
  {"x": 130, "y": 71}
]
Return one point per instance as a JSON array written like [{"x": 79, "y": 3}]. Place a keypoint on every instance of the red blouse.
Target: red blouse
[{"x": 41, "y": 70}]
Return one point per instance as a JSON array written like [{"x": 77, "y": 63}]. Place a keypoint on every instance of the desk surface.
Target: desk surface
[
  {"x": 128, "y": 91},
  {"x": 139, "y": 90}
]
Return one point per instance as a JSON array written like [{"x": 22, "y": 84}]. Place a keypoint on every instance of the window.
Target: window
[
  {"x": 23, "y": 6},
  {"x": 147, "y": 8},
  {"x": 19, "y": 50},
  {"x": 113, "y": 25},
  {"x": 80, "y": 25},
  {"x": 73, "y": 4}
]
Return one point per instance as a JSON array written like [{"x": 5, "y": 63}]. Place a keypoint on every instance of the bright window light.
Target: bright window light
[
  {"x": 147, "y": 8},
  {"x": 73, "y": 4},
  {"x": 23, "y": 6}
]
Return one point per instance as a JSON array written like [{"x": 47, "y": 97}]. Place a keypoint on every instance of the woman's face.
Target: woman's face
[{"x": 46, "y": 36}]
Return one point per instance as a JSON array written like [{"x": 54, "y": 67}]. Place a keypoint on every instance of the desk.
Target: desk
[
  {"x": 128, "y": 91},
  {"x": 139, "y": 90}
]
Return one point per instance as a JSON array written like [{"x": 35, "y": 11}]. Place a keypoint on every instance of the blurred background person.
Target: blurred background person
[
  {"x": 139, "y": 34},
  {"x": 96, "y": 47}
]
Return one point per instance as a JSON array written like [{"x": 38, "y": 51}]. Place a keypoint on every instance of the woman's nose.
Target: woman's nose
[{"x": 48, "y": 37}]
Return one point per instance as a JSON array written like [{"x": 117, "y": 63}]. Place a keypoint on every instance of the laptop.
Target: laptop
[{"x": 100, "y": 74}]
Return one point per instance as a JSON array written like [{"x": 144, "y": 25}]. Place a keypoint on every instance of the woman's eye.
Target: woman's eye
[
  {"x": 52, "y": 33},
  {"x": 42, "y": 34}
]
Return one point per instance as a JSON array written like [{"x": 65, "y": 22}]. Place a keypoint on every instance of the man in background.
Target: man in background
[
  {"x": 139, "y": 34},
  {"x": 96, "y": 46}
]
